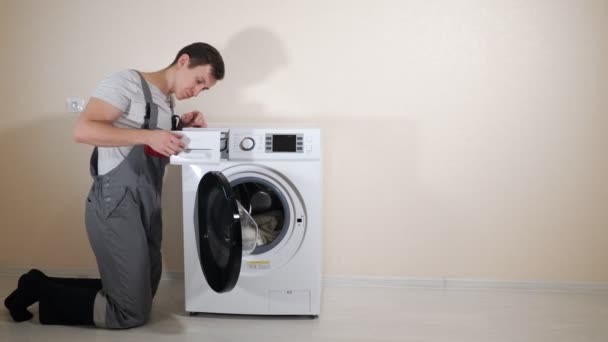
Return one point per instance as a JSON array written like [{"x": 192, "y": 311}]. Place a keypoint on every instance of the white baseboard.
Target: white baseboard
[
  {"x": 457, "y": 283},
  {"x": 371, "y": 281}
]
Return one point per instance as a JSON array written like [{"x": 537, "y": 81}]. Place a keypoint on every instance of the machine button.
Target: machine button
[{"x": 247, "y": 144}]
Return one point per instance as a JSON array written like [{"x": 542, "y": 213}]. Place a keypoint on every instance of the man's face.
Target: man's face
[{"x": 190, "y": 82}]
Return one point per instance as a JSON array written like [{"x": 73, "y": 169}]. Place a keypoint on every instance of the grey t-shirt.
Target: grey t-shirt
[{"x": 123, "y": 90}]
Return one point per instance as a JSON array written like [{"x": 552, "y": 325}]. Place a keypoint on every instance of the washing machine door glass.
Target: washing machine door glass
[{"x": 220, "y": 236}]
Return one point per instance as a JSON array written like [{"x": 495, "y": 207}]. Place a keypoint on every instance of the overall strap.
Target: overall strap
[
  {"x": 151, "y": 118},
  {"x": 176, "y": 122}
]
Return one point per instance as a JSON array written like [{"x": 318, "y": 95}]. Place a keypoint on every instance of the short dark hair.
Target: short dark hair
[{"x": 203, "y": 54}]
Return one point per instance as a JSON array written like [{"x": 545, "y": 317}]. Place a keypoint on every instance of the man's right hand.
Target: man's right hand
[{"x": 166, "y": 143}]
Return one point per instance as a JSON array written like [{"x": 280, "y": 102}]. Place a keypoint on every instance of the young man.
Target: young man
[{"x": 128, "y": 119}]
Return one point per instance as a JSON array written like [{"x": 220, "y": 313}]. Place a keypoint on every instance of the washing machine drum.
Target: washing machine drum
[{"x": 221, "y": 227}]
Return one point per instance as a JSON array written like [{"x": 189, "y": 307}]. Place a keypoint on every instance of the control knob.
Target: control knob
[{"x": 247, "y": 144}]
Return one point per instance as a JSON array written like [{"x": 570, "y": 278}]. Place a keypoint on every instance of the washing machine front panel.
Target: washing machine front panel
[{"x": 218, "y": 231}]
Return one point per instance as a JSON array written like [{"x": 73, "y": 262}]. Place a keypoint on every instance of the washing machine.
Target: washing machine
[{"x": 271, "y": 176}]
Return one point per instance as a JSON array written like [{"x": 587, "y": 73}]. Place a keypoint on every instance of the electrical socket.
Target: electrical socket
[{"x": 74, "y": 104}]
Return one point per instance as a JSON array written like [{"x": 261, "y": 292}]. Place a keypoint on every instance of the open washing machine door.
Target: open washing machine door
[{"x": 226, "y": 232}]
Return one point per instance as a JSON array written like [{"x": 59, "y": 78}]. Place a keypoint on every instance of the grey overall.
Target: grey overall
[{"x": 123, "y": 220}]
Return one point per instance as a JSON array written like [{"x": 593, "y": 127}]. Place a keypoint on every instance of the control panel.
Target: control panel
[
  {"x": 284, "y": 143},
  {"x": 276, "y": 143}
]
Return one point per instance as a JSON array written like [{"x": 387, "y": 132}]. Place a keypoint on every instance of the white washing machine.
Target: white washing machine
[{"x": 274, "y": 174}]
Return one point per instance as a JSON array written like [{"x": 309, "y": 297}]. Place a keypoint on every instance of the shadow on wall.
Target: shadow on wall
[
  {"x": 44, "y": 182},
  {"x": 251, "y": 56},
  {"x": 173, "y": 235}
]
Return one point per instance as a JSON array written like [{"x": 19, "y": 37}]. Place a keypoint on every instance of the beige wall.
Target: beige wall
[{"x": 461, "y": 138}]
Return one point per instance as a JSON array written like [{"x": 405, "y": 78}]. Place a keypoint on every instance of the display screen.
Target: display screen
[{"x": 283, "y": 143}]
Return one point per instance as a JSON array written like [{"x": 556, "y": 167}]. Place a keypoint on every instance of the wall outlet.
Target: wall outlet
[{"x": 74, "y": 104}]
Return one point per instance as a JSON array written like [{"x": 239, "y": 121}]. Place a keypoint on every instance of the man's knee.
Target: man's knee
[{"x": 130, "y": 314}]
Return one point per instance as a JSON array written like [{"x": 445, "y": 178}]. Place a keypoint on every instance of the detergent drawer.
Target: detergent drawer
[{"x": 202, "y": 147}]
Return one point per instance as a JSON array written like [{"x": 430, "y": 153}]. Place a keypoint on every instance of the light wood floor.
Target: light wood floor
[{"x": 359, "y": 314}]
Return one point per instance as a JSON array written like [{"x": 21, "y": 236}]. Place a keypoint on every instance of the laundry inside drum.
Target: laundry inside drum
[
  {"x": 249, "y": 230},
  {"x": 268, "y": 208}
]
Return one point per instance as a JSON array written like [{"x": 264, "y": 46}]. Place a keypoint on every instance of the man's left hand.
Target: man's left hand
[{"x": 194, "y": 119}]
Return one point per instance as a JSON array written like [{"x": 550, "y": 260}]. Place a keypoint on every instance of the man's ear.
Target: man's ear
[{"x": 183, "y": 60}]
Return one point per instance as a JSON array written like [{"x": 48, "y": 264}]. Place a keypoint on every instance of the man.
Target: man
[{"x": 128, "y": 119}]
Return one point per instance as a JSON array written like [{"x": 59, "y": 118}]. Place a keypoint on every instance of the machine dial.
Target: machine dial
[{"x": 247, "y": 144}]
